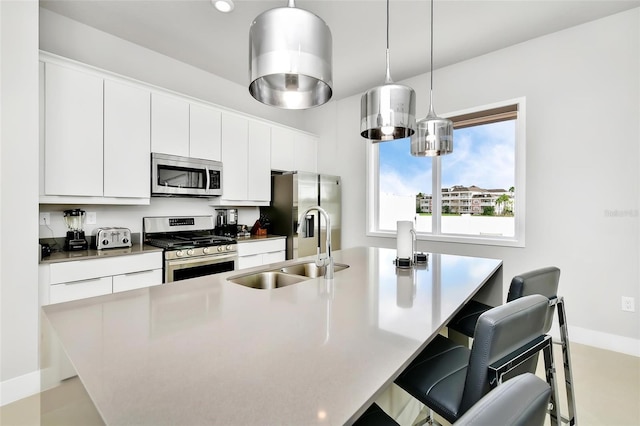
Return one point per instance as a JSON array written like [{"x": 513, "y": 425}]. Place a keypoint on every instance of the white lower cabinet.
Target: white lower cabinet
[
  {"x": 258, "y": 253},
  {"x": 135, "y": 280},
  {"x": 249, "y": 261},
  {"x": 65, "y": 281},
  {"x": 74, "y": 290}
]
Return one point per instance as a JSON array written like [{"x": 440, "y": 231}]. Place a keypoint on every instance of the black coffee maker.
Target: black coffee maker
[
  {"x": 227, "y": 222},
  {"x": 75, "y": 234}
]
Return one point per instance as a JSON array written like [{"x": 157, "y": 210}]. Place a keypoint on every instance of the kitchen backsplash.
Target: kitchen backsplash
[{"x": 131, "y": 216}]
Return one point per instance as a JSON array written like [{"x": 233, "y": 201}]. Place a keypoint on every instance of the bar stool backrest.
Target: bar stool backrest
[
  {"x": 542, "y": 281},
  {"x": 499, "y": 332}
]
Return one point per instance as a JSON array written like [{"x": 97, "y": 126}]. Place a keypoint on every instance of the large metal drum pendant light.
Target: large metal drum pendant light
[
  {"x": 434, "y": 135},
  {"x": 290, "y": 58},
  {"x": 388, "y": 112}
]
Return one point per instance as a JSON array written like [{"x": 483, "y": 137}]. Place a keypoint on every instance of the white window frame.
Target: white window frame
[{"x": 517, "y": 240}]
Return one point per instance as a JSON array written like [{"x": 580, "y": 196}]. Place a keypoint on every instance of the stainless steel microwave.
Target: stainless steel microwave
[{"x": 172, "y": 175}]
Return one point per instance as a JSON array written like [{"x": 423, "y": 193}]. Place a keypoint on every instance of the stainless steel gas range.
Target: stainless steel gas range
[{"x": 190, "y": 247}]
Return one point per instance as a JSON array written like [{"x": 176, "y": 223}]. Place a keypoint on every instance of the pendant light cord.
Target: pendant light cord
[
  {"x": 388, "y": 76},
  {"x": 431, "y": 89}
]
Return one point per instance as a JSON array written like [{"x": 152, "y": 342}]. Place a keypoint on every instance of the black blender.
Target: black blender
[{"x": 75, "y": 235}]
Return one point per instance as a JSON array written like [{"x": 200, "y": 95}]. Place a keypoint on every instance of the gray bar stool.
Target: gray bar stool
[
  {"x": 450, "y": 378},
  {"x": 521, "y": 401},
  {"x": 542, "y": 281}
]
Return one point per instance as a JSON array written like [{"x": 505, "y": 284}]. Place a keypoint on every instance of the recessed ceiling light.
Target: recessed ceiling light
[{"x": 224, "y": 6}]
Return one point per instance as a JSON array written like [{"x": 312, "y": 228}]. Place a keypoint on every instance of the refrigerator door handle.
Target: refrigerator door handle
[{"x": 308, "y": 226}]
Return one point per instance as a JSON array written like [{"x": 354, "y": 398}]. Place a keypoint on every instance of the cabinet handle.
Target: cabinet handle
[
  {"x": 137, "y": 272},
  {"x": 96, "y": 280}
]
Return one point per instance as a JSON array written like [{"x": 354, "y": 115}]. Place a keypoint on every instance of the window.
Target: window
[{"x": 474, "y": 195}]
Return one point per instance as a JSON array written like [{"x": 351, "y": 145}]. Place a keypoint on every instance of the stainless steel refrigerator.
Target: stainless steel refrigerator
[{"x": 291, "y": 194}]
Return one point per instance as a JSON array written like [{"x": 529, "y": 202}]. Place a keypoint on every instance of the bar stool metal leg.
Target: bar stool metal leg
[
  {"x": 566, "y": 360},
  {"x": 550, "y": 373}
]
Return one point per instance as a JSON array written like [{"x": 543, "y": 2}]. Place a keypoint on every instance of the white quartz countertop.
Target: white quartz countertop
[{"x": 208, "y": 351}]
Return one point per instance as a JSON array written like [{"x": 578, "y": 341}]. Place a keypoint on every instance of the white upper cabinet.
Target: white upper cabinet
[
  {"x": 282, "y": 143},
  {"x": 204, "y": 132},
  {"x": 169, "y": 125},
  {"x": 259, "y": 164},
  {"x": 246, "y": 147},
  {"x": 235, "y": 133},
  {"x": 305, "y": 151},
  {"x": 97, "y": 131},
  {"x": 127, "y": 141},
  {"x": 73, "y": 132},
  {"x": 293, "y": 150},
  {"x": 183, "y": 128}
]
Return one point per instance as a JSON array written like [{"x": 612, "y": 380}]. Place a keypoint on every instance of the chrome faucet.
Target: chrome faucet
[{"x": 327, "y": 261}]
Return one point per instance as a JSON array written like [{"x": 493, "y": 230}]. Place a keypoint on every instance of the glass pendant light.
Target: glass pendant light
[
  {"x": 388, "y": 112},
  {"x": 290, "y": 58},
  {"x": 434, "y": 135}
]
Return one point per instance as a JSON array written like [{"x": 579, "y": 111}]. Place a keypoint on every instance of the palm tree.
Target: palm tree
[{"x": 501, "y": 202}]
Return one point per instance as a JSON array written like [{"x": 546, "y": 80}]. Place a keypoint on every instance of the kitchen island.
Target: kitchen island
[{"x": 209, "y": 351}]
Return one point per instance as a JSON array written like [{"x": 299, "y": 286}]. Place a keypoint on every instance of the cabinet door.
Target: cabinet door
[
  {"x": 259, "y": 162},
  {"x": 169, "y": 125},
  {"x": 135, "y": 280},
  {"x": 282, "y": 146},
  {"x": 248, "y": 248},
  {"x": 235, "y": 132},
  {"x": 273, "y": 257},
  {"x": 75, "y": 290},
  {"x": 73, "y": 132},
  {"x": 127, "y": 140},
  {"x": 306, "y": 153},
  {"x": 205, "y": 132},
  {"x": 249, "y": 261}
]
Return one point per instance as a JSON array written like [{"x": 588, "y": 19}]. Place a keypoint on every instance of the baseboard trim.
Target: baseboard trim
[
  {"x": 19, "y": 387},
  {"x": 598, "y": 339}
]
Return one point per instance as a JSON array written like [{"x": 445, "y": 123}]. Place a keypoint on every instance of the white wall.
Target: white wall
[
  {"x": 18, "y": 199},
  {"x": 582, "y": 89}
]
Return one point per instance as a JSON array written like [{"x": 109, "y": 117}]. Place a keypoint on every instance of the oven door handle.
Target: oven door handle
[
  {"x": 203, "y": 259},
  {"x": 208, "y": 179}
]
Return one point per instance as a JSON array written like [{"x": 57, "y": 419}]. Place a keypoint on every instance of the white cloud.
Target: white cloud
[
  {"x": 488, "y": 165},
  {"x": 393, "y": 182}
]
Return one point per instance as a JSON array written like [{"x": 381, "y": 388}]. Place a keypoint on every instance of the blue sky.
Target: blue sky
[{"x": 482, "y": 155}]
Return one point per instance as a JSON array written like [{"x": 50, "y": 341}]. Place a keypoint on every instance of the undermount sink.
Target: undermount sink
[
  {"x": 266, "y": 280},
  {"x": 283, "y": 277},
  {"x": 311, "y": 270}
]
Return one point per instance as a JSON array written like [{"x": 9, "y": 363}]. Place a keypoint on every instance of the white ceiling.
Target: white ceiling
[{"x": 193, "y": 32}]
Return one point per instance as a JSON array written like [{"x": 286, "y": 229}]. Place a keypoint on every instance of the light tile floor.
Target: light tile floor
[{"x": 607, "y": 387}]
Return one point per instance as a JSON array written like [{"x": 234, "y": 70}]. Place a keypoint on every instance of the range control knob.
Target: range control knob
[
  {"x": 206, "y": 250},
  {"x": 220, "y": 248},
  {"x": 179, "y": 253},
  {"x": 228, "y": 248},
  {"x": 105, "y": 242},
  {"x": 125, "y": 240},
  {"x": 190, "y": 252}
]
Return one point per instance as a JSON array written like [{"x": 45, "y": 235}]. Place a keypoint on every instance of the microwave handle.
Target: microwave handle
[{"x": 208, "y": 179}]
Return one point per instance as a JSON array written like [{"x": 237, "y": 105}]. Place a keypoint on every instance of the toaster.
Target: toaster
[{"x": 112, "y": 237}]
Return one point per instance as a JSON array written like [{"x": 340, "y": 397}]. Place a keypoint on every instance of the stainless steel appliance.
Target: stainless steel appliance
[
  {"x": 172, "y": 175},
  {"x": 292, "y": 194},
  {"x": 75, "y": 240},
  {"x": 112, "y": 237},
  {"x": 191, "y": 249}
]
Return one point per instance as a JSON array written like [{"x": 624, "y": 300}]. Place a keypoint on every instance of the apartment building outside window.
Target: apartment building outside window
[{"x": 474, "y": 195}]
